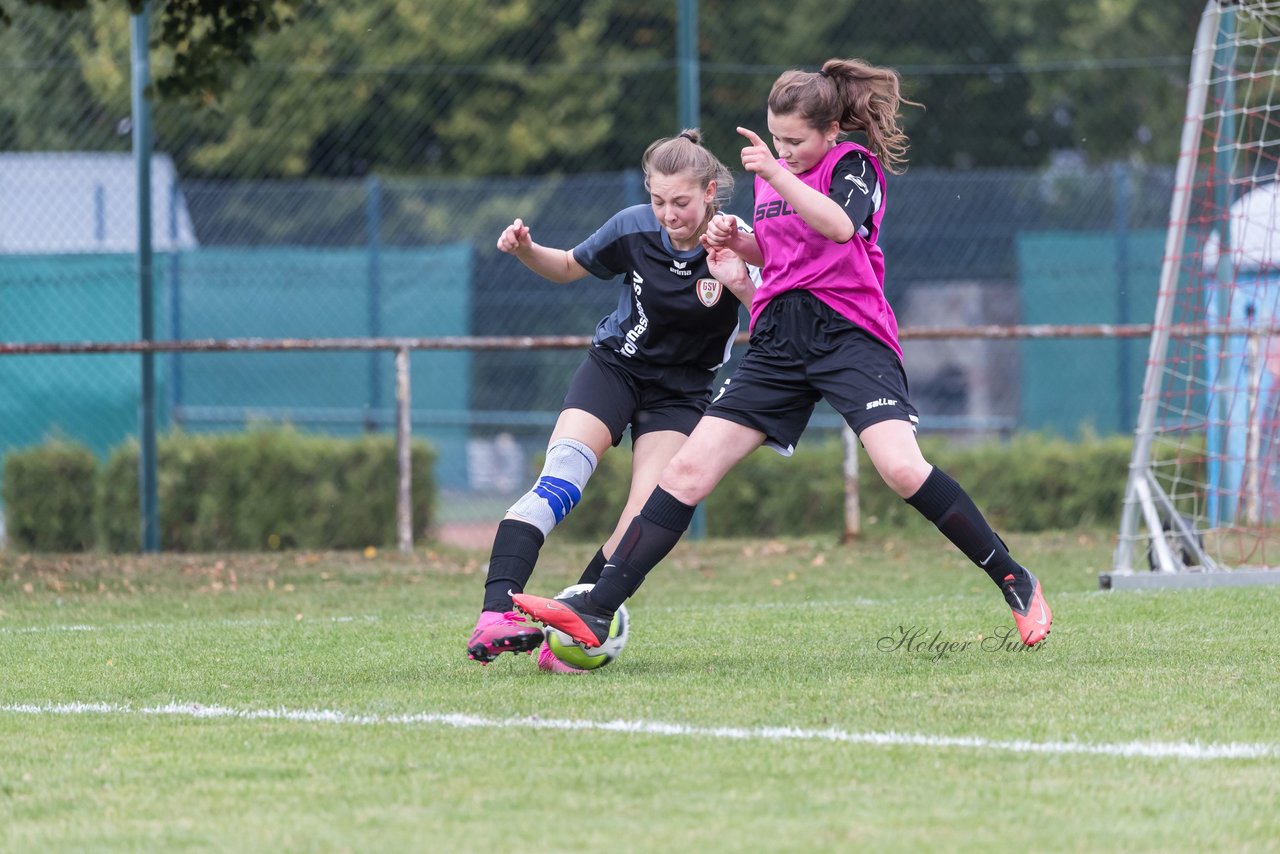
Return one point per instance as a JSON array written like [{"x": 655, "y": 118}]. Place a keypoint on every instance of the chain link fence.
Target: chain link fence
[{"x": 352, "y": 182}]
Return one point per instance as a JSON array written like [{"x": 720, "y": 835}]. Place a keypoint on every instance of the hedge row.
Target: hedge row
[
  {"x": 1031, "y": 483},
  {"x": 48, "y": 497},
  {"x": 264, "y": 489}
]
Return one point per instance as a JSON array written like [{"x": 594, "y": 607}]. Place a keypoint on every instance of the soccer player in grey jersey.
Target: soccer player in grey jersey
[{"x": 650, "y": 366}]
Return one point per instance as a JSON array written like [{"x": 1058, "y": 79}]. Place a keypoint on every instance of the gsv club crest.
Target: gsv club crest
[{"x": 709, "y": 291}]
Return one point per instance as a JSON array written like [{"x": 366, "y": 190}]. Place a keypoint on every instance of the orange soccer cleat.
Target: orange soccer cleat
[
  {"x": 1032, "y": 617},
  {"x": 572, "y": 615}
]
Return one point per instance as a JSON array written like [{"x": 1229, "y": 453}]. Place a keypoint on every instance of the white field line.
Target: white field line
[{"x": 1193, "y": 750}]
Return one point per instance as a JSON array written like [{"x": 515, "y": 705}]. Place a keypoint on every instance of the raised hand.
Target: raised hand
[
  {"x": 731, "y": 271},
  {"x": 757, "y": 157},
  {"x": 724, "y": 264},
  {"x": 720, "y": 231},
  {"x": 515, "y": 238}
]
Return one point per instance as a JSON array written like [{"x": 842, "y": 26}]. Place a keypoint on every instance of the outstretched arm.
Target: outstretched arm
[
  {"x": 558, "y": 265},
  {"x": 822, "y": 213}
]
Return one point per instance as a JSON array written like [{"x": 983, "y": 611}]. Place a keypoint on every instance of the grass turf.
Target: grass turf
[{"x": 912, "y": 722}]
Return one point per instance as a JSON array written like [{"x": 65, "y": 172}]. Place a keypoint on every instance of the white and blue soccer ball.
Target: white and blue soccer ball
[{"x": 575, "y": 654}]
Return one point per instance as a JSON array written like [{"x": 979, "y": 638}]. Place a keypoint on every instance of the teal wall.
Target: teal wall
[
  {"x": 237, "y": 293},
  {"x": 1087, "y": 278},
  {"x": 92, "y": 399}
]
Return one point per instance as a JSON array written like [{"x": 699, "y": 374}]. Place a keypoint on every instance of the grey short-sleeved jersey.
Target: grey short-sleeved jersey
[{"x": 672, "y": 310}]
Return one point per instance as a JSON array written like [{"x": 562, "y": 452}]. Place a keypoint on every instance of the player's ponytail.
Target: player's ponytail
[{"x": 856, "y": 95}]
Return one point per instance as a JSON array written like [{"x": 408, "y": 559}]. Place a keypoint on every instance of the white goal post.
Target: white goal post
[{"x": 1202, "y": 500}]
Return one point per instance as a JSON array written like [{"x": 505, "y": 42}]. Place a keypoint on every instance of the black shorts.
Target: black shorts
[
  {"x": 801, "y": 350},
  {"x": 620, "y": 391}
]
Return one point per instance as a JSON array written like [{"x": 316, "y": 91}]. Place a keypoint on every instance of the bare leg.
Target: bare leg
[
  {"x": 715, "y": 446},
  {"x": 894, "y": 451}
]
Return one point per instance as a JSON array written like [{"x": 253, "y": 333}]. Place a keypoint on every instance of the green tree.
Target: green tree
[
  {"x": 437, "y": 88},
  {"x": 945, "y": 52},
  {"x": 429, "y": 88},
  {"x": 1112, "y": 74},
  {"x": 1004, "y": 82},
  {"x": 205, "y": 39},
  {"x": 537, "y": 86},
  {"x": 53, "y": 100}
]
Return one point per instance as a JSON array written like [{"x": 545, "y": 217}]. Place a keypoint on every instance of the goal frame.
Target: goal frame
[{"x": 1175, "y": 552}]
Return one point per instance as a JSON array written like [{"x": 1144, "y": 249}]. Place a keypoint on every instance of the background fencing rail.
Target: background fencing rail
[{"x": 403, "y": 412}]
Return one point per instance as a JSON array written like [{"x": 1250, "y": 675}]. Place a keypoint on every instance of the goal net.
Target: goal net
[{"x": 1203, "y": 492}]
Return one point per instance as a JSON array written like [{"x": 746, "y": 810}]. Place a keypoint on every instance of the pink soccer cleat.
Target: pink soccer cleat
[
  {"x": 547, "y": 661},
  {"x": 497, "y": 632}
]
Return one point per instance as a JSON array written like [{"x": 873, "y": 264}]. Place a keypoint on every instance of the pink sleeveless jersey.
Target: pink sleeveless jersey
[{"x": 849, "y": 277}]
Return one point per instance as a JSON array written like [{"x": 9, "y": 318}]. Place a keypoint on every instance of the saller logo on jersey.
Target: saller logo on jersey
[
  {"x": 709, "y": 291},
  {"x": 769, "y": 210}
]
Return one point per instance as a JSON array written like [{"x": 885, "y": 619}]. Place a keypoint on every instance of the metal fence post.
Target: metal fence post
[
  {"x": 687, "y": 105},
  {"x": 175, "y": 302},
  {"x": 852, "y": 506},
  {"x": 404, "y": 459},
  {"x": 373, "y": 215},
  {"x": 140, "y": 79},
  {"x": 1120, "y": 177}
]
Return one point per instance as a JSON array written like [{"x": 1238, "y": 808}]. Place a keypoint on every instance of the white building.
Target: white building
[{"x": 54, "y": 203}]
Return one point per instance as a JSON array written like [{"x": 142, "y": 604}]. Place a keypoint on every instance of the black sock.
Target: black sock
[
  {"x": 945, "y": 503},
  {"x": 591, "y": 574},
  {"x": 649, "y": 538},
  {"x": 515, "y": 551}
]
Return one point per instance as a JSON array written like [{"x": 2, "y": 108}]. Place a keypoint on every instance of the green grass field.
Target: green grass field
[{"x": 775, "y": 695}]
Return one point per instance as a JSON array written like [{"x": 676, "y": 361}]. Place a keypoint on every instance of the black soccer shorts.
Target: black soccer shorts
[
  {"x": 802, "y": 351},
  {"x": 621, "y": 392}
]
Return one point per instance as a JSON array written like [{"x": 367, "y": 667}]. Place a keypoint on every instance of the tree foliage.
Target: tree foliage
[
  {"x": 207, "y": 40},
  {"x": 954, "y": 58},
  {"x": 499, "y": 87}
]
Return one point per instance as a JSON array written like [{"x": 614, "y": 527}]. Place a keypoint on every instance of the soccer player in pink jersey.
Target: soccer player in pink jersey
[{"x": 820, "y": 328}]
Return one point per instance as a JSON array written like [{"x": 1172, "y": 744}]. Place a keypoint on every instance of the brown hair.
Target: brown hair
[
  {"x": 683, "y": 154},
  {"x": 856, "y": 95}
]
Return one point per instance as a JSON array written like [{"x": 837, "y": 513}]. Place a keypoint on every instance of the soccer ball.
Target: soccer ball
[{"x": 575, "y": 654}]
